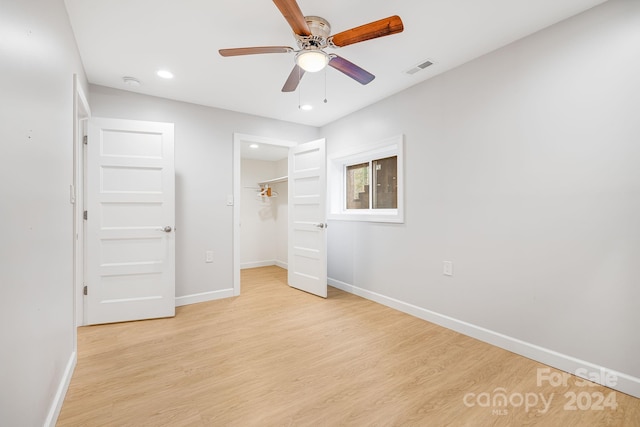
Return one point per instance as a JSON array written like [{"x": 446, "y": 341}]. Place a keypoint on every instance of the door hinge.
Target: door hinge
[
  {"x": 85, "y": 140},
  {"x": 85, "y": 215},
  {"x": 84, "y": 290}
]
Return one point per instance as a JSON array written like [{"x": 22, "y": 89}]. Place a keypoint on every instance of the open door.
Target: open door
[
  {"x": 130, "y": 219},
  {"x": 307, "y": 218}
]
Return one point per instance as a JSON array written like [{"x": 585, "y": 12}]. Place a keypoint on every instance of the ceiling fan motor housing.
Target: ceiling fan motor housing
[{"x": 320, "y": 31}]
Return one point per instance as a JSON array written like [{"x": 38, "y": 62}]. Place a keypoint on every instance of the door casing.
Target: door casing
[{"x": 81, "y": 114}]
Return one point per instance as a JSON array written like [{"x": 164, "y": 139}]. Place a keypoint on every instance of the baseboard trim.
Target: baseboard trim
[
  {"x": 203, "y": 297},
  {"x": 624, "y": 383},
  {"x": 61, "y": 392},
  {"x": 256, "y": 264}
]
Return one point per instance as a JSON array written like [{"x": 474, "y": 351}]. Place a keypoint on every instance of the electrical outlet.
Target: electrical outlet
[
  {"x": 208, "y": 256},
  {"x": 447, "y": 268}
]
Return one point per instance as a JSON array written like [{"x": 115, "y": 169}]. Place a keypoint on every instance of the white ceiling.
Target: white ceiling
[{"x": 135, "y": 38}]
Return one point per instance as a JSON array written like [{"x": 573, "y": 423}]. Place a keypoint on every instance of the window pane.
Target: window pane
[
  {"x": 358, "y": 186},
  {"x": 385, "y": 183}
]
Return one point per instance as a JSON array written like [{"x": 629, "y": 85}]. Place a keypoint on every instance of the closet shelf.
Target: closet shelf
[{"x": 274, "y": 180}]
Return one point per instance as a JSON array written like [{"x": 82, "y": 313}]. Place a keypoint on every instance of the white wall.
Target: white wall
[
  {"x": 522, "y": 168},
  {"x": 38, "y": 57},
  {"x": 204, "y": 162}
]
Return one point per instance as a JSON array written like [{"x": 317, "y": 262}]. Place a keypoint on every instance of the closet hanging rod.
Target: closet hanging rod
[{"x": 274, "y": 180}]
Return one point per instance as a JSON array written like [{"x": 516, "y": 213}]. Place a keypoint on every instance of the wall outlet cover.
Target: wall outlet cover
[{"x": 447, "y": 268}]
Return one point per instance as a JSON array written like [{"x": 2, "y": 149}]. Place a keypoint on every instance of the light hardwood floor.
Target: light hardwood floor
[{"x": 278, "y": 356}]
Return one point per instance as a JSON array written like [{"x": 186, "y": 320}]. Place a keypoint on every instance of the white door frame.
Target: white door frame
[
  {"x": 238, "y": 139},
  {"x": 81, "y": 114}
]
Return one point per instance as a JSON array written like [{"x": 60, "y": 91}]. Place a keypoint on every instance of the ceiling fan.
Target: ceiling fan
[{"x": 312, "y": 34}]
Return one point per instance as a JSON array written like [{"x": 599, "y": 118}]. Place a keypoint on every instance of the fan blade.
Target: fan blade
[
  {"x": 292, "y": 13},
  {"x": 352, "y": 70},
  {"x": 294, "y": 79},
  {"x": 255, "y": 50},
  {"x": 372, "y": 30}
]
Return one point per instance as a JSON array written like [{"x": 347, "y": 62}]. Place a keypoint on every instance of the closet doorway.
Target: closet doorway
[
  {"x": 261, "y": 203},
  {"x": 280, "y": 210}
]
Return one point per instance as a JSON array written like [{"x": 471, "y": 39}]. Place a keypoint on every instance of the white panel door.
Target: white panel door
[
  {"x": 130, "y": 221},
  {"x": 307, "y": 218}
]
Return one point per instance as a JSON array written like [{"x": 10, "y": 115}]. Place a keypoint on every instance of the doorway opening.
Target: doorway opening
[{"x": 260, "y": 235}]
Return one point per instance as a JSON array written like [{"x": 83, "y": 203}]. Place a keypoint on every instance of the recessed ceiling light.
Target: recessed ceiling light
[
  {"x": 165, "y": 74},
  {"x": 131, "y": 81},
  {"x": 306, "y": 107},
  {"x": 254, "y": 146}
]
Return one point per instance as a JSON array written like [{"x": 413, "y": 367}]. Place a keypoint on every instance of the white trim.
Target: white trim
[
  {"x": 393, "y": 146},
  {"x": 204, "y": 297},
  {"x": 365, "y": 150},
  {"x": 256, "y": 264},
  {"x": 344, "y": 286},
  {"x": 81, "y": 113},
  {"x": 238, "y": 138},
  {"x": 268, "y": 263},
  {"x": 625, "y": 383},
  {"x": 237, "y": 194},
  {"x": 61, "y": 392}
]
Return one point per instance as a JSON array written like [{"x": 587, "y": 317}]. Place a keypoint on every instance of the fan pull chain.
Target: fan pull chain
[
  {"x": 299, "y": 89},
  {"x": 325, "y": 85}
]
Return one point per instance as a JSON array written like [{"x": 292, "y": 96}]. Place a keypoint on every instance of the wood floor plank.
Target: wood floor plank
[{"x": 278, "y": 356}]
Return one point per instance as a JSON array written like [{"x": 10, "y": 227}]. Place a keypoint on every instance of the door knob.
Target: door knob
[
  {"x": 167, "y": 229},
  {"x": 321, "y": 225}
]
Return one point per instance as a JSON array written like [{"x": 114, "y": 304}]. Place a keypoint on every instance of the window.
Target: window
[
  {"x": 383, "y": 180},
  {"x": 366, "y": 185},
  {"x": 357, "y": 196},
  {"x": 385, "y": 183}
]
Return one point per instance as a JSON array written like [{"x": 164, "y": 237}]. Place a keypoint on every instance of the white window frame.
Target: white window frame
[{"x": 337, "y": 165}]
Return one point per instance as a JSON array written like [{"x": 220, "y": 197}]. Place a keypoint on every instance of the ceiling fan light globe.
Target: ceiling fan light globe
[{"x": 312, "y": 60}]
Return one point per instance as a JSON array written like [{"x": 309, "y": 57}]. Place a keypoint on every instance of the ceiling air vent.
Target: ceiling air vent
[{"x": 420, "y": 66}]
